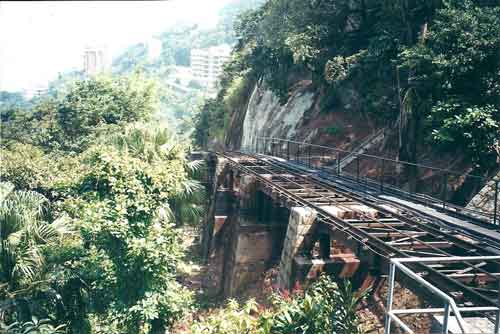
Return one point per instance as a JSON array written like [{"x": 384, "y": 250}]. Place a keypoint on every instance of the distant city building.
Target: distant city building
[
  {"x": 206, "y": 64},
  {"x": 95, "y": 60}
]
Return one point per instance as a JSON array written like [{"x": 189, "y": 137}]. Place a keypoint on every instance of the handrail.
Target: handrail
[
  {"x": 364, "y": 143},
  {"x": 449, "y": 302},
  {"x": 372, "y": 156},
  {"x": 280, "y": 147}
]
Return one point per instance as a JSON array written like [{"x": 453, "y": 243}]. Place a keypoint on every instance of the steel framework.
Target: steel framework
[{"x": 391, "y": 233}]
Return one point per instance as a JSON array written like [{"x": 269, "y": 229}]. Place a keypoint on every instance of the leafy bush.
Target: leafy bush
[
  {"x": 82, "y": 162},
  {"x": 324, "y": 308},
  {"x": 122, "y": 211},
  {"x": 25, "y": 239},
  {"x": 233, "y": 319},
  {"x": 474, "y": 127},
  {"x": 122, "y": 196},
  {"x": 28, "y": 167}
]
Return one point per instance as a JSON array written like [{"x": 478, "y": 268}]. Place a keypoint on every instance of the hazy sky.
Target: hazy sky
[{"x": 40, "y": 39}]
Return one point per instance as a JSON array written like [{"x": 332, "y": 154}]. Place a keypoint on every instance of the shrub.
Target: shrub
[
  {"x": 324, "y": 308},
  {"x": 233, "y": 319}
]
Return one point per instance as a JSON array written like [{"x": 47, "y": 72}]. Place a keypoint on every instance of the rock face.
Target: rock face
[
  {"x": 265, "y": 117},
  {"x": 485, "y": 200}
]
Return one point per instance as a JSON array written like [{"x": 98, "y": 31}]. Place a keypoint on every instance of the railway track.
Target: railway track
[{"x": 388, "y": 231}]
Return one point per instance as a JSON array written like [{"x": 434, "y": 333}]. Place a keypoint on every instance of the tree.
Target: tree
[
  {"x": 97, "y": 103},
  {"x": 455, "y": 75}
]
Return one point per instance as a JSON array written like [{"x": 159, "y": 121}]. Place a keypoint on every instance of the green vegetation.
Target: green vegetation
[
  {"x": 94, "y": 184},
  {"x": 431, "y": 64},
  {"x": 323, "y": 308},
  {"x": 89, "y": 207},
  {"x": 89, "y": 210}
]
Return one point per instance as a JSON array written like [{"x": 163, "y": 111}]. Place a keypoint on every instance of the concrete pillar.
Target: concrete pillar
[
  {"x": 299, "y": 228},
  {"x": 247, "y": 192},
  {"x": 341, "y": 260}
]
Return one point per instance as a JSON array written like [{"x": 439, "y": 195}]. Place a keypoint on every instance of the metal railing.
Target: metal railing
[
  {"x": 437, "y": 187},
  {"x": 449, "y": 304}
]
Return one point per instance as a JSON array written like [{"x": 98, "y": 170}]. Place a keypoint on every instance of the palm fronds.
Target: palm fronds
[
  {"x": 155, "y": 144},
  {"x": 23, "y": 233}
]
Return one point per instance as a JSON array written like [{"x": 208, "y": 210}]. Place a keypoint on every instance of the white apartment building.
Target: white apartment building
[
  {"x": 206, "y": 64},
  {"x": 95, "y": 60}
]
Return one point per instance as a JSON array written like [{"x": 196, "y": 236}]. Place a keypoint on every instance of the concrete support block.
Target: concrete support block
[
  {"x": 246, "y": 191},
  {"x": 254, "y": 248},
  {"x": 300, "y": 225}
]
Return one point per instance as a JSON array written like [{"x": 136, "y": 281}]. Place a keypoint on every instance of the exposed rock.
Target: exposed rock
[
  {"x": 485, "y": 200},
  {"x": 265, "y": 117}
]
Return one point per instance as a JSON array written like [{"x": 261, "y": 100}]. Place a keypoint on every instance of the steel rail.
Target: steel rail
[
  {"x": 402, "y": 218},
  {"x": 422, "y": 227},
  {"x": 463, "y": 211},
  {"x": 360, "y": 235}
]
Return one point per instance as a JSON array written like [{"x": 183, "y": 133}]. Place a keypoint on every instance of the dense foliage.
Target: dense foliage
[
  {"x": 431, "y": 64},
  {"x": 91, "y": 108},
  {"x": 88, "y": 213}
]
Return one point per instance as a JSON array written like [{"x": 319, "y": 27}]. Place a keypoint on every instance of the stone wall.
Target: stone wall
[
  {"x": 254, "y": 248},
  {"x": 485, "y": 199}
]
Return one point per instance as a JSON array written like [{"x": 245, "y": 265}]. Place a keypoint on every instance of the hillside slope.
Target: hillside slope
[{"x": 334, "y": 72}]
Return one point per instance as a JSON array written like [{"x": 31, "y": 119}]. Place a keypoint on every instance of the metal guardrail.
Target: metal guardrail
[
  {"x": 435, "y": 186},
  {"x": 449, "y": 304}
]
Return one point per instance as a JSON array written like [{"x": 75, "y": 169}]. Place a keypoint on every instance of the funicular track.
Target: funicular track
[{"x": 390, "y": 233}]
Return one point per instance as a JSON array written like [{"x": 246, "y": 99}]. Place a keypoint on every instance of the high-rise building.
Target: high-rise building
[
  {"x": 206, "y": 64},
  {"x": 95, "y": 60}
]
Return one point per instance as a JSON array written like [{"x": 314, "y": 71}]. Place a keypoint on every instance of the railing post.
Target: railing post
[
  {"x": 445, "y": 189},
  {"x": 382, "y": 176},
  {"x": 446, "y": 318},
  {"x": 357, "y": 168},
  {"x": 309, "y": 156},
  {"x": 495, "y": 204},
  {"x": 497, "y": 313},
  {"x": 390, "y": 292},
  {"x": 338, "y": 163},
  {"x": 287, "y": 150}
]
